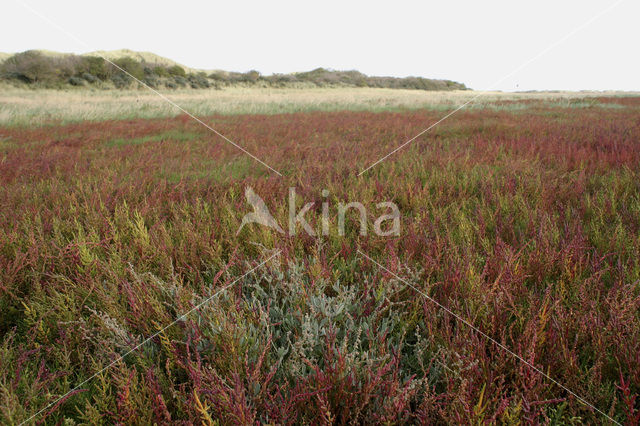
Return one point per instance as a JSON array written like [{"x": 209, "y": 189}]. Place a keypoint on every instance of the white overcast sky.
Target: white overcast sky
[{"x": 474, "y": 42}]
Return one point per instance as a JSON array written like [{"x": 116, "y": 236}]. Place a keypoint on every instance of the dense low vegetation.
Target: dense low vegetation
[
  {"x": 57, "y": 71},
  {"x": 526, "y": 222}
]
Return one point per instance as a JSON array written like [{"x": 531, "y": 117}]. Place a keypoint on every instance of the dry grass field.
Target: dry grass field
[{"x": 35, "y": 107}]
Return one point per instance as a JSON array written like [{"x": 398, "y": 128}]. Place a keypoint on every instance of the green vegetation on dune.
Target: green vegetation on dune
[
  {"x": 142, "y": 57},
  {"x": 48, "y": 69}
]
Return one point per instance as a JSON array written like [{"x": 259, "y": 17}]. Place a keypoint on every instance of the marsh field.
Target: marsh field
[{"x": 129, "y": 295}]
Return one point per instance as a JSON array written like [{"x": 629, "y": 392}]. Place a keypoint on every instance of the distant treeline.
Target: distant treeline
[{"x": 39, "y": 70}]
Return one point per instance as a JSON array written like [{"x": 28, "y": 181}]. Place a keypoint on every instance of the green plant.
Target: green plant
[
  {"x": 76, "y": 81},
  {"x": 97, "y": 66},
  {"x": 121, "y": 80},
  {"x": 177, "y": 71},
  {"x": 30, "y": 66},
  {"x": 90, "y": 77},
  {"x": 131, "y": 66}
]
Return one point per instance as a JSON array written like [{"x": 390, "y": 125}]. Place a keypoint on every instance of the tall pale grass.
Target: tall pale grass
[{"x": 35, "y": 107}]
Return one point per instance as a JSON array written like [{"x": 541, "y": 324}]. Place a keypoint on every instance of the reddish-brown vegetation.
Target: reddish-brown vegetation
[{"x": 526, "y": 222}]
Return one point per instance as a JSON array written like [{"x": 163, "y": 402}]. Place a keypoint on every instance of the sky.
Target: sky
[{"x": 478, "y": 43}]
